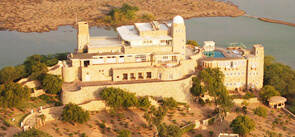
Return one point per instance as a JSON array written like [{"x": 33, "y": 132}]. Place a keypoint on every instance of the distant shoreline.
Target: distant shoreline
[{"x": 47, "y": 15}]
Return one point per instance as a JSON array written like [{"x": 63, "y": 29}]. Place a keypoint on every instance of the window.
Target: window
[
  {"x": 256, "y": 73},
  {"x": 165, "y": 57},
  {"x": 231, "y": 73},
  {"x": 243, "y": 62},
  {"x": 231, "y": 84},
  {"x": 160, "y": 75},
  {"x": 132, "y": 76},
  {"x": 235, "y": 73},
  {"x": 129, "y": 55},
  {"x": 238, "y": 73},
  {"x": 149, "y": 75},
  {"x": 163, "y": 41},
  {"x": 226, "y": 74},
  {"x": 242, "y": 73},
  {"x": 226, "y": 84},
  {"x": 182, "y": 47},
  {"x": 118, "y": 77},
  {"x": 234, "y": 83},
  {"x": 125, "y": 76},
  {"x": 170, "y": 76},
  {"x": 140, "y": 58},
  {"x": 242, "y": 83},
  {"x": 140, "y": 75}
]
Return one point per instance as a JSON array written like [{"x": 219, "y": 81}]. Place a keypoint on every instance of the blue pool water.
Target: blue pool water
[{"x": 215, "y": 54}]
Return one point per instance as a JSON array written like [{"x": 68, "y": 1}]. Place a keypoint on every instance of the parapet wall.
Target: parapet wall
[{"x": 178, "y": 89}]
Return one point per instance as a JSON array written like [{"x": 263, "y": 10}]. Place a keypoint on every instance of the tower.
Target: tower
[
  {"x": 179, "y": 35},
  {"x": 83, "y": 37}
]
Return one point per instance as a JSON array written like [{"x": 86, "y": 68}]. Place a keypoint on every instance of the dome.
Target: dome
[{"x": 178, "y": 19}]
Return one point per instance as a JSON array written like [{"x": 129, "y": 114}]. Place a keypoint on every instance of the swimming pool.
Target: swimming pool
[{"x": 213, "y": 54}]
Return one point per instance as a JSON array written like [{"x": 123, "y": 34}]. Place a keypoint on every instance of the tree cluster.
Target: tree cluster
[
  {"x": 13, "y": 94},
  {"x": 118, "y": 98},
  {"x": 51, "y": 84},
  {"x": 124, "y": 133},
  {"x": 260, "y": 111},
  {"x": 32, "y": 133},
  {"x": 213, "y": 84},
  {"x": 74, "y": 113},
  {"x": 169, "y": 130},
  {"x": 242, "y": 125},
  {"x": 35, "y": 65},
  {"x": 171, "y": 103},
  {"x": 267, "y": 92},
  {"x": 192, "y": 42},
  {"x": 126, "y": 14},
  {"x": 281, "y": 77}
]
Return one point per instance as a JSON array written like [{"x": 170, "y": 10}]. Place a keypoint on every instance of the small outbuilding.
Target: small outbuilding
[{"x": 277, "y": 102}]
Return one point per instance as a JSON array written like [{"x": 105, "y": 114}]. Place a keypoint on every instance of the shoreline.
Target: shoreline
[{"x": 48, "y": 15}]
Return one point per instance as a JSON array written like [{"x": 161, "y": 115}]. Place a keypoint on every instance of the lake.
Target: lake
[{"x": 278, "y": 40}]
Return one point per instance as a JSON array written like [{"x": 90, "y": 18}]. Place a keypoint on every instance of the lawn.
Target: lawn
[
  {"x": 18, "y": 119},
  {"x": 30, "y": 104}
]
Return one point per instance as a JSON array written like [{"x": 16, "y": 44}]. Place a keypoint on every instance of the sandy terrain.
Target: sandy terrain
[{"x": 46, "y": 15}]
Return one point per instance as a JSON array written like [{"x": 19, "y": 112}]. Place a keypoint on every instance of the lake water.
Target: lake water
[{"x": 278, "y": 40}]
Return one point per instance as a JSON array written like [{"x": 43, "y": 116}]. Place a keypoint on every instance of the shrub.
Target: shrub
[
  {"x": 171, "y": 103},
  {"x": 44, "y": 97},
  {"x": 261, "y": 111},
  {"x": 83, "y": 135},
  {"x": 237, "y": 110},
  {"x": 102, "y": 125},
  {"x": 248, "y": 95},
  {"x": 202, "y": 102},
  {"x": 192, "y": 42},
  {"x": 207, "y": 101},
  {"x": 211, "y": 121},
  {"x": 188, "y": 128},
  {"x": 58, "y": 103},
  {"x": 211, "y": 133}
]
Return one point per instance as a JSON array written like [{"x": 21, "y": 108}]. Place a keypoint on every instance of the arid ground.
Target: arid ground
[{"x": 46, "y": 15}]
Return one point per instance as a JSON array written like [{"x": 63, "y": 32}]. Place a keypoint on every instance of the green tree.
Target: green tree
[
  {"x": 170, "y": 103},
  {"x": 13, "y": 94},
  {"x": 242, "y": 125},
  {"x": 8, "y": 73},
  {"x": 169, "y": 130},
  {"x": 260, "y": 111},
  {"x": 51, "y": 84},
  {"x": 73, "y": 113},
  {"x": 192, "y": 42},
  {"x": 197, "y": 88},
  {"x": 117, "y": 98},
  {"x": 37, "y": 70},
  {"x": 124, "y": 133},
  {"x": 213, "y": 79},
  {"x": 267, "y": 92},
  {"x": 155, "y": 116},
  {"x": 32, "y": 133},
  {"x": 281, "y": 77},
  {"x": 144, "y": 102},
  {"x": 225, "y": 102}
]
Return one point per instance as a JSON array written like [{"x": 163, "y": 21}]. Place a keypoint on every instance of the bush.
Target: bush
[
  {"x": 211, "y": 133},
  {"x": 192, "y": 42},
  {"x": 58, "y": 103},
  {"x": 44, "y": 97},
  {"x": 211, "y": 121},
  {"x": 248, "y": 95},
  {"x": 237, "y": 110},
  {"x": 102, "y": 125},
  {"x": 171, "y": 103},
  {"x": 202, "y": 102},
  {"x": 260, "y": 111},
  {"x": 188, "y": 128}
]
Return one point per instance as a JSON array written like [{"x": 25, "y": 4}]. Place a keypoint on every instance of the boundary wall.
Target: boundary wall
[
  {"x": 250, "y": 100},
  {"x": 178, "y": 89}
]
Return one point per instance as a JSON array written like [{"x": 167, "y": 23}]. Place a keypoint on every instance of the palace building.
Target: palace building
[{"x": 157, "y": 52}]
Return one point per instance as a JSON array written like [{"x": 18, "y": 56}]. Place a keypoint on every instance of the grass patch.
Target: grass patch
[
  {"x": 18, "y": 119},
  {"x": 30, "y": 104}
]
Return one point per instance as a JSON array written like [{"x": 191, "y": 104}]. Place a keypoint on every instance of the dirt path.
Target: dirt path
[{"x": 46, "y": 15}]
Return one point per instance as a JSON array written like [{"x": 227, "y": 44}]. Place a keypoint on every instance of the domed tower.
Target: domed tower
[{"x": 178, "y": 33}]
